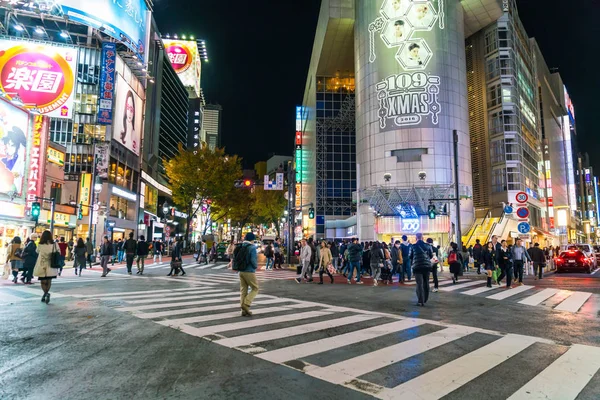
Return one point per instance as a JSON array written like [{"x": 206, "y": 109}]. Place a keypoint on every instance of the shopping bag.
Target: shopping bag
[
  {"x": 6, "y": 270},
  {"x": 496, "y": 274},
  {"x": 331, "y": 269}
]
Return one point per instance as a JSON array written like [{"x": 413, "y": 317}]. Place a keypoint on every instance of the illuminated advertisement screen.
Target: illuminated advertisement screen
[
  {"x": 403, "y": 39},
  {"x": 127, "y": 126},
  {"x": 43, "y": 76},
  {"x": 569, "y": 105},
  {"x": 14, "y": 144},
  {"x": 124, "y": 20},
  {"x": 184, "y": 57}
]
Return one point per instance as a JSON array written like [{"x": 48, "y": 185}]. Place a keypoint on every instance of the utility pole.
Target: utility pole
[{"x": 457, "y": 191}]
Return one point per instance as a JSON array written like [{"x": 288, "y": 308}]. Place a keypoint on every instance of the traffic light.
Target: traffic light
[
  {"x": 35, "y": 210},
  {"x": 244, "y": 184},
  {"x": 431, "y": 211},
  {"x": 80, "y": 211},
  {"x": 311, "y": 213}
]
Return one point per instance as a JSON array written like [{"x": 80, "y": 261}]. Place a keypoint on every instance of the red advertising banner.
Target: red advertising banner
[{"x": 37, "y": 157}]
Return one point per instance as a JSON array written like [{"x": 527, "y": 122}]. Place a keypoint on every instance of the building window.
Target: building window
[
  {"x": 491, "y": 41},
  {"x": 86, "y": 103},
  {"x": 409, "y": 155},
  {"x": 55, "y": 192},
  {"x": 497, "y": 151},
  {"x": 121, "y": 208},
  {"x": 498, "y": 180}
]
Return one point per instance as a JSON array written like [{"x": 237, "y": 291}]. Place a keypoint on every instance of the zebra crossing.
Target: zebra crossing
[
  {"x": 385, "y": 356},
  {"x": 528, "y": 295}
]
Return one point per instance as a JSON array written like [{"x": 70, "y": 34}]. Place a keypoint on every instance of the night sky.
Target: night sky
[{"x": 259, "y": 53}]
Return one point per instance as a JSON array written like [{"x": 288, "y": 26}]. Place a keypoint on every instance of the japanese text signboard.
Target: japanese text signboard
[
  {"x": 41, "y": 75},
  {"x": 184, "y": 57},
  {"x": 35, "y": 178},
  {"x": 107, "y": 83}
]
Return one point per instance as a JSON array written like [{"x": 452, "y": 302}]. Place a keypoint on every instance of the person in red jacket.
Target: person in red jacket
[{"x": 62, "y": 245}]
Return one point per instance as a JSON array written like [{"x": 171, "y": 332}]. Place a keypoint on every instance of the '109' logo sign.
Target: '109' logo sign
[{"x": 406, "y": 99}]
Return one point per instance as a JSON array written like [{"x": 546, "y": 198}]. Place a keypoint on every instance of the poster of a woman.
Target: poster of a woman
[
  {"x": 13, "y": 148},
  {"x": 128, "y": 117}
]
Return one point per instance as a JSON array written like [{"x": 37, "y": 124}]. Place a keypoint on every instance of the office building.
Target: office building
[{"x": 212, "y": 125}]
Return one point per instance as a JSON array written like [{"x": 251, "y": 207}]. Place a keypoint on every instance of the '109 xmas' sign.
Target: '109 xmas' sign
[{"x": 408, "y": 31}]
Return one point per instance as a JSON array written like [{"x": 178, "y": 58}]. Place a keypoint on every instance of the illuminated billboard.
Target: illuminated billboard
[
  {"x": 43, "y": 76},
  {"x": 124, "y": 20},
  {"x": 14, "y": 138},
  {"x": 184, "y": 57},
  {"x": 129, "y": 110},
  {"x": 403, "y": 39}
]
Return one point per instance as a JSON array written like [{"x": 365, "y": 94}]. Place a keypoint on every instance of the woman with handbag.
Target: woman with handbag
[
  {"x": 377, "y": 258},
  {"x": 325, "y": 259},
  {"x": 47, "y": 264},
  {"x": 14, "y": 254}
]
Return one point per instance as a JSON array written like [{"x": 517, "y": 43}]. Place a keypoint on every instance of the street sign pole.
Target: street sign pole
[{"x": 457, "y": 192}]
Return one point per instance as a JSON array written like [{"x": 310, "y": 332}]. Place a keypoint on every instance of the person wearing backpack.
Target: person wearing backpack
[
  {"x": 420, "y": 260},
  {"x": 245, "y": 262},
  {"x": 14, "y": 254},
  {"x": 455, "y": 261},
  {"x": 269, "y": 253},
  {"x": 142, "y": 253}
]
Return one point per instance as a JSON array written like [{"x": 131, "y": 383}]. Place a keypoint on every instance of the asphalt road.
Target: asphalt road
[{"x": 159, "y": 337}]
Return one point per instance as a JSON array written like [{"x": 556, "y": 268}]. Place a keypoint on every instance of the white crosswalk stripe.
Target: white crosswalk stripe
[{"x": 278, "y": 331}]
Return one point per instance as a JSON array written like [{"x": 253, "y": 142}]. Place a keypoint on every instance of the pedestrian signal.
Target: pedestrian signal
[
  {"x": 35, "y": 210},
  {"x": 431, "y": 211}
]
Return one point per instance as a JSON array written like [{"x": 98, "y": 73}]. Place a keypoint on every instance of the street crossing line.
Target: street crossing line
[
  {"x": 460, "y": 286},
  {"x": 201, "y": 332},
  {"x": 181, "y": 304},
  {"x": 293, "y": 331},
  {"x": 221, "y": 266},
  {"x": 302, "y": 350},
  {"x": 167, "y": 295},
  {"x": 169, "y": 313},
  {"x": 443, "y": 380},
  {"x": 346, "y": 371},
  {"x": 36, "y": 291},
  {"x": 203, "y": 295},
  {"x": 205, "y": 266},
  {"x": 9, "y": 298},
  {"x": 539, "y": 297},
  {"x": 484, "y": 289},
  {"x": 215, "y": 317},
  {"x": 565, "y": 378},
  {"x": 118, "y": 294},
  {"x": 574, "y": 302},
  {"x": 509, "y": 292}
]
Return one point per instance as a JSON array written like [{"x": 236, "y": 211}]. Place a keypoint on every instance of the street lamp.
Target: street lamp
[
  {"x": 98, "y": 186},
  {"x": 165, "y": 209}
]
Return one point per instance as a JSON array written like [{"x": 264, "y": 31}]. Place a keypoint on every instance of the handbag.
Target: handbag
[
  {"x": 6, "y": 270},
  {"x": 56, "y": 260}
]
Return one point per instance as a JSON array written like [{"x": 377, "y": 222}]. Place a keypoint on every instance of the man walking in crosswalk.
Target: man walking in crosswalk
[
  {"x": 245, "y": 262},
  {"x": 519, "y": 256}
]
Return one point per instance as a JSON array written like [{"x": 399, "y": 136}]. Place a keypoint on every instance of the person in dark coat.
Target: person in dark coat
[
  {"x": 313, "y": 257},
  {"x": 488, "y": 260},
  {"x": 29, "y": 258},
  {"x": 477, "y": 254},
  {"x": 176, "y": 255},
  {"x": 130, "y": 247},
  {"x": 455, "y": 260},
  {"x": 539, "y": 260},
  {"x": 434, "y": 265},
  {"x": 142, "y": 253},
  {"x": 80, "y": 253},
  {"x": 420, "y": 259},
  {"x": 505, "y": 264}
]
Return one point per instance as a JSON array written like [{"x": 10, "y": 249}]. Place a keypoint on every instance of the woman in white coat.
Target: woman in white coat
[{"x": 43, "y": 266}]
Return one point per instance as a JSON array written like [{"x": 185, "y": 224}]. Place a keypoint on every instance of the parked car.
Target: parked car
[{"x": 573, "y": 260}]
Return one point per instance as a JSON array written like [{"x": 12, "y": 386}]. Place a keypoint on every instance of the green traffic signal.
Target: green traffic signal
[
  {"x": 80, "y": 213},
  {"x": 311, "y": 213},
  {"x": 35, "y": 210},
  {"x": 431, "y": 211}
]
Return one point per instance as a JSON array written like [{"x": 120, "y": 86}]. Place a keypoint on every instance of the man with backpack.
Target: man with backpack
[
  {"x": 245, "y": 262},
  {"x": 270, "y": 255}
]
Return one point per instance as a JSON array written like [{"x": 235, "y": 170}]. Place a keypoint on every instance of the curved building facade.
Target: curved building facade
[{"x": 411, "y": 93}]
